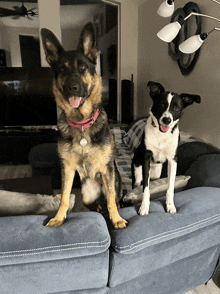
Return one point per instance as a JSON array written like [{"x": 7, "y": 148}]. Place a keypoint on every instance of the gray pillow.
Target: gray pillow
[
  {"x": 14, "y": 203},
  {"x": 158, "y": 189}
]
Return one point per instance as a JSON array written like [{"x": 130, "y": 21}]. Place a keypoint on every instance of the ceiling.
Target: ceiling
[
  {"x": 28, "y": 1},
  {"x": 62, "y": 2},
  {"x": 70, "y": 15}
]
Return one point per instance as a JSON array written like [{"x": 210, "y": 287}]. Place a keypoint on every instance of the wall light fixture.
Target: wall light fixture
[{"x": 171, "y": 30}]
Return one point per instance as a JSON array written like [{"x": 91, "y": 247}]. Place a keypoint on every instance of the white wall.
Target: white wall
[
  {"x": 73, "y": 21},
  {"x": 200, "y": 120},
  {"x": 129, "y": 43},
  {"x": 46, "y": 8},
  {"x": 5, "y": 44}
]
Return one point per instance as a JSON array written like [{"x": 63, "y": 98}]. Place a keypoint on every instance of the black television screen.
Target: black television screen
[{"x": 26, "y": 98}]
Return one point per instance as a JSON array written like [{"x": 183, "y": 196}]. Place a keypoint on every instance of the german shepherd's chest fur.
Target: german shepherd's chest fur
[{"x": 100, "y": 148}]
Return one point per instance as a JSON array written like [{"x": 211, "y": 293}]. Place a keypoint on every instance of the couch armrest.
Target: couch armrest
[{"x": 205, "y": 171}]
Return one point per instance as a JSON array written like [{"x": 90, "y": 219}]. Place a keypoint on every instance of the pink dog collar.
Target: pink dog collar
[{"x": 84, "y": 124}]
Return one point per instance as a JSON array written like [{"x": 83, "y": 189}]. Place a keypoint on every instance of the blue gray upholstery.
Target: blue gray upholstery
[
  {"x": 159, "y": 239},
  {"x": 205, "y": 172},
  {"x": 38, "y": 259},
  {"x": 159, "y": 253}
]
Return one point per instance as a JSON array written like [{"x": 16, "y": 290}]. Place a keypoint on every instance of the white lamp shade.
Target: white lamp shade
[
  {"x": 169, "y": 32},
  {"x": 165, "y": 9},
  {"x": 191, "y": 44}
]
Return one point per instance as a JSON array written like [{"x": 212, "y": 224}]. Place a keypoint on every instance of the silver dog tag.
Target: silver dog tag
[{"x": 83, "y": 142}]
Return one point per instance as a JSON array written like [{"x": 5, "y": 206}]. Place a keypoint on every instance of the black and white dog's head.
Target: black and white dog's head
[{"x": 168, "y": 107}]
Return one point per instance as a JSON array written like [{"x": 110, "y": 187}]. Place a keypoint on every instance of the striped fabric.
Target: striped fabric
[
  {"x": 132, "y": 138},
  {"x": 123, "y": 159}
]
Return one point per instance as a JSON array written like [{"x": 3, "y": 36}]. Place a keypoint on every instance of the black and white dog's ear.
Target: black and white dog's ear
[
  {"x": 189, "y": 99},
  {"x": 155, "y": 89},
  {"x": 87, "y": 42},
  {"x": 52, "y": 46}
]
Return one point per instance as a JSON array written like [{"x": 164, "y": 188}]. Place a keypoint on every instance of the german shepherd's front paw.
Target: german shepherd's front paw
[
  {"x": 120, "y": 223},
  {"x": 54, "y": 222}
]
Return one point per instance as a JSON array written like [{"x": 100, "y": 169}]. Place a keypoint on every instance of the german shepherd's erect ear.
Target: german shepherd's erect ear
[
  {"x": 52, "y": 46},
  {"x": 87, "y": 42}
]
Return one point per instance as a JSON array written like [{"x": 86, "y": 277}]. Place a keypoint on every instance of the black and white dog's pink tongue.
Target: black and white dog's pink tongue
[
  {"x": 164, "y": 128},
  {"x": 75, "y": 101}
]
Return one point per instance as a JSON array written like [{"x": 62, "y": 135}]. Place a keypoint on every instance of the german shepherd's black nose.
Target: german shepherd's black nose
[{"x": 74, "y": 88}]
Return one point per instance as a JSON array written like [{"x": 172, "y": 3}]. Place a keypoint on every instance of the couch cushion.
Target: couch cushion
[
  {"x": 26, "y": 239},
  {"x": 205, "y": 171},
  {"x": 196, "y": 209},
  {"x": 160, "y": 240},
  {"x": 156, "y": 273},
  {"x": 189, "y": 152},
  {"x": 61, "y": 275},
  {"x": 44, "y": 155}
]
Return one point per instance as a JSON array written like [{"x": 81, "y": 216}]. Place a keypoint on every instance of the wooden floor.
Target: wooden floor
[{"x": 24, "y": 171}]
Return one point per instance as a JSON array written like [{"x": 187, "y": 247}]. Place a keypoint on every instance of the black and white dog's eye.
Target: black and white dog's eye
[{"x": 176, "y": 109}]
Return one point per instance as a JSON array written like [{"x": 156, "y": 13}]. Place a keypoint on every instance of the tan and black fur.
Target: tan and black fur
[{"x": 75, "y": 75}]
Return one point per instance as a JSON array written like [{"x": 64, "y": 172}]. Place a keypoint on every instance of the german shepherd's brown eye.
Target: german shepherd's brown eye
[
  {"x": 61, "y": 69},
  {"x": 82, "y": 67}
]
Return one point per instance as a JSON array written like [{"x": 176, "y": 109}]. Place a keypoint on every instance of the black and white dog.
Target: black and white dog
[{"x": 159, "y": 143}]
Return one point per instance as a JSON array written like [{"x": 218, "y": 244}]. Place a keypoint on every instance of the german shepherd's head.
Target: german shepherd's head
[{"x": 77, "y": 87}]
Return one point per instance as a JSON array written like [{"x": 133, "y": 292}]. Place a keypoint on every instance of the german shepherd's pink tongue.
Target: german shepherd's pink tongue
[{"x": 75, "y": 101}]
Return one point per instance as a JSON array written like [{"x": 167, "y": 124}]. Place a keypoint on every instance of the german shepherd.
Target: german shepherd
[{"x": 86, "y": 144}]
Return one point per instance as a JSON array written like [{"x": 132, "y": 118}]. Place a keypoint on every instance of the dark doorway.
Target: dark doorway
[{"x": 30, "y": 51}]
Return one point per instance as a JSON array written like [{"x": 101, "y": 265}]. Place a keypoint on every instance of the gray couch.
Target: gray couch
[{"x": 159, "y": 253}]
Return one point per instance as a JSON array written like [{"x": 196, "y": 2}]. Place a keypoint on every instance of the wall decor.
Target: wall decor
[
  {"x": 185, "y": 62},
  {"x": 172, "y": 33}
]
